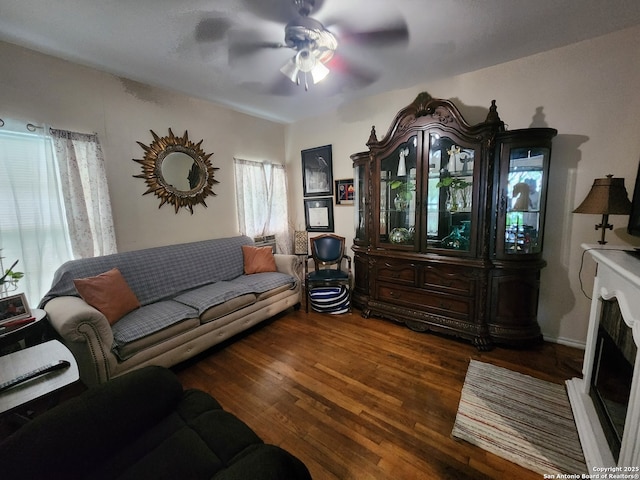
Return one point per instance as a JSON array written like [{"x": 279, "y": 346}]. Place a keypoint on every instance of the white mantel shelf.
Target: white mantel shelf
[{"x": 618, "y": 276}]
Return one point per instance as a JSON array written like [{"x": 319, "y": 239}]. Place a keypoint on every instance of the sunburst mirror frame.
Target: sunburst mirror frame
[{"x": 154, "y": 156}]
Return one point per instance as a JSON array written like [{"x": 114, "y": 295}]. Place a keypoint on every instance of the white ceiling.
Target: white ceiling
[{"x": 183, "y": 44}]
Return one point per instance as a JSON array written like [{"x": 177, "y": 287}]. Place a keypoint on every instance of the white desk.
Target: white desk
[{"x": 23, "y": 361}]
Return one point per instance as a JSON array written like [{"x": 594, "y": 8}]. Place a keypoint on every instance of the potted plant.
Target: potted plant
[
  {"x": 455, "y": 185},
  {"x": 9, "y": 278},
  {"x": 403, "y": 193}
]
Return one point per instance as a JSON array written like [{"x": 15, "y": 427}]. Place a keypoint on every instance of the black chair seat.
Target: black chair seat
[{"x": 327, "y": 275}]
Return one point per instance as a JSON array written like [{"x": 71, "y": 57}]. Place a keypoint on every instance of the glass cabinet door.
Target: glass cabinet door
[
  {"x": 449, "y": 200},
  {"x": 359, "y": 196},
  {"x": 526, "y": 184},
  {"x": 398, "y": 194}
]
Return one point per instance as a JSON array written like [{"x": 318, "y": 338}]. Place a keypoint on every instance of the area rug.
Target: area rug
[{"x": 520, "y": 418}]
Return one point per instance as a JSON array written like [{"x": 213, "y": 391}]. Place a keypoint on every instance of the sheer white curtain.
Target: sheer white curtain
[
  {"x": 32, "y": 215},
  {"x": 261, "y": 197},
  {"x": 54, "y": 202},
  {"x": 85, "y": 192}
]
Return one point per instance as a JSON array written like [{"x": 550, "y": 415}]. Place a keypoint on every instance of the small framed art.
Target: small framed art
[
  {"x": 345, "y": 191},
  {"x": 14, "y": 307},
  {"x": 317, "y": 171},
  {"x": 318, "y": 214}
]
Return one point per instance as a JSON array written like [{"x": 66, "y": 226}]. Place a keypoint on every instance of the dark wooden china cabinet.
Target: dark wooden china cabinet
[{"x": 449, "y": 221}]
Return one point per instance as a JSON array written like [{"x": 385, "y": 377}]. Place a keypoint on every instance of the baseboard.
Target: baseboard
[{"x": 565, "y": 341}]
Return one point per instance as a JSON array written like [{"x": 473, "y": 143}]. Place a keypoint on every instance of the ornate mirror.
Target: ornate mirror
[{"x": 177, "y": 171}]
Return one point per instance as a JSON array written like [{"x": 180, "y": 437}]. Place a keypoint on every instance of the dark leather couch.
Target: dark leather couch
[{"x": 143, "y": 425}]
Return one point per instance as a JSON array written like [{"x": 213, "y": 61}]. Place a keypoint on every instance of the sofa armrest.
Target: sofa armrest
[
  {"x": 288, "y": 264},
  {"x": 73, "y": 439},
  {"x": 86, "y": 332},
  {"x": 70, "y": 315}
]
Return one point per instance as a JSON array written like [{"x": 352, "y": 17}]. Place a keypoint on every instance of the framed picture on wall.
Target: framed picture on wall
[
  {"x": 317, "y": 171},
  {"x": 318, "y": 214},
  {"x": 345, "y": 191}
]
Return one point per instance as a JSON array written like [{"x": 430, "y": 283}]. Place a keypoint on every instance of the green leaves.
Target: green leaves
[
  {"x": 453, "y": 182},
  {"x": 404, "y": 189},
  {"x": 10, "y": 276}
]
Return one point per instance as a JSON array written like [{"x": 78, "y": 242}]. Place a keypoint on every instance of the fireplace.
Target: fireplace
[
  {"x": 610, "y": 387},
  {"x": 606, "y": 400}
]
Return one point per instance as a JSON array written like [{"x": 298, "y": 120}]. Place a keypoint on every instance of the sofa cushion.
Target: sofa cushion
[
  {"x": 258, "y": 259},
  {"x": 200, "y": 441},
  {"x": 127, "y": 350},
  {"x": 109, "y": 293},
  {"x": 263, "y": 282},
  {"x": 213, "y": 313},
  {"x": 273, "y": 292},
  {"x": 210, "y": 295},
  {"x": 150, "y": 319},
  {"x": 207, "y": 296}
]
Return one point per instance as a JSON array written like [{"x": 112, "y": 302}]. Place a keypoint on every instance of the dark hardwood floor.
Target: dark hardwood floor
[{"x": 359, "y": 398}]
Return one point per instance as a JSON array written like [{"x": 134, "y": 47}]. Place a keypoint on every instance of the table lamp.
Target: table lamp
[{"x": 606, "y": 197}]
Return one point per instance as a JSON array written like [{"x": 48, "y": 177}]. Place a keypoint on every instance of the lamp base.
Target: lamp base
[{"x": 604, "y": 226}]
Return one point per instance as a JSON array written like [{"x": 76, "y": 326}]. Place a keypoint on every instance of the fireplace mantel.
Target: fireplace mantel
[{"x": 618, "y": 276}]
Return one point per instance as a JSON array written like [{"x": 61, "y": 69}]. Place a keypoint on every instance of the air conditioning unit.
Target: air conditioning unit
[{"x": 266, "y": 241}]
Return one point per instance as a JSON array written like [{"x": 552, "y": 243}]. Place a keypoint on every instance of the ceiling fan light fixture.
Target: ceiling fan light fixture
[
  {"x": 304, "y": 62},
  {"x": 291, "y": 70},
  {"x": 319, "y": 72}
]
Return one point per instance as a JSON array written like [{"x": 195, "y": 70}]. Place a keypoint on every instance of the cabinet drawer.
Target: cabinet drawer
[
  {"x": 448, "y": 279},
  {"x": 396, "y": 272},
  {"x": 434, "y": 302}
]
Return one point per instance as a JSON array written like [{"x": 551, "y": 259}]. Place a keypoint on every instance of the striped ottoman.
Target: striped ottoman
[{"x": 330, "y": 299}]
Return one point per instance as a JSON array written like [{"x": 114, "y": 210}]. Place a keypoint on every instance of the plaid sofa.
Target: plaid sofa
[{"x": 192, "y": 297}]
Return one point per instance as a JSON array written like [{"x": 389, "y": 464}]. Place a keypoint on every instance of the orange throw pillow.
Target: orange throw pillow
[
  {"x": 109, "y": 293},
  {"x": 258, "y": 259}
]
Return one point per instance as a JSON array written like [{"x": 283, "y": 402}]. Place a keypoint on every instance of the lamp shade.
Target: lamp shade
[{"x": 607, "y": 196}]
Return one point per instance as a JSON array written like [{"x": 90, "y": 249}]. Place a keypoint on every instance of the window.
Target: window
[
  {"x": 32, "y": 218},
  {"x": 54, "y": 203},
  {"x": 261, "y": 196}
]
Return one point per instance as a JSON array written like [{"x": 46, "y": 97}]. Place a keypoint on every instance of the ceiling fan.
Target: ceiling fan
[{"x": 314, "y": 46}]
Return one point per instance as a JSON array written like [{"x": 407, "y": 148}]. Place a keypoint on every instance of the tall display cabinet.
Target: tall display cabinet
[{"x": 449, "y": 222}]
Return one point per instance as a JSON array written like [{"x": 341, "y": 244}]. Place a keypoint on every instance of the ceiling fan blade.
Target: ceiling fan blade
[
  {"x": 392, "y": 34},
  {"x": 284, "y": 87},
  {"x": 280, "y": 11},
  {"x": 212, "y": 29},
  {"x": 243, "y": 44},
  {"x": 395, "y": 36},
  {"x": 347, "y": 75},
  {"x": 239, "y": 50}
]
